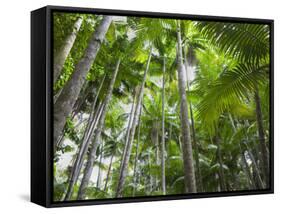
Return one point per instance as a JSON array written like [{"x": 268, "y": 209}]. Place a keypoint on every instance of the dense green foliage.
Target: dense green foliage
[{"x": 227, "y": 90}]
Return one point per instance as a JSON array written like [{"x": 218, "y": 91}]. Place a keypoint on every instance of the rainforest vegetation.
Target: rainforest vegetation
[{"x": 154, "y": 106}]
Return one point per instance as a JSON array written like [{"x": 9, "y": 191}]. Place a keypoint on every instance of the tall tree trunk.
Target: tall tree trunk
[
  {"x": 92, "y": 154},
  {"x": 109, "y": 169},
  {"x": 247, "y": 170},
  {"x": 63, "y": 52},
  {"x": 150, "y": 179},
  {"x": 196, "y": 152},
  {"x": 256, "y": 171},
  {"x": 92, "y": 121},
  {"x": 99, "y": 171},
  {"x": 128, "y": 130},
  {"x": 70, "y": 92},
  {"x": 256, "y": 174},
  {"x": 245, "y": 165},
  {"x": 264, "y": 151},
  {"x": 163, "y": 150},
  {"x": 136, "y": 156},
  {"x": 84, "y": 93},
  {"x": 221, "y": 171},
  {"x": 155, "y": 139},
  {"x": 189, "y": 175},
  {"x": 195, "y": 143},
  {"x": 78, "y": 164},
  {"x": 124, "y": 168}
]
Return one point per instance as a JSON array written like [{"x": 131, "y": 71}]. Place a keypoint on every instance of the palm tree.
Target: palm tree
[
  {"x": 192, "y": 41},
  {"x": 137, "y": 154},
  {"x": 190, "y": 183},
  {"x": 124, "y": 166},
  {"x": 128, "y": 129},
  {"x": 252, "y": 54},
  {"x": 264, "y": 150},
  {"x": 109, "y": 168},
  {"x": 70, "y": 92},
  {"x": 89, "y": 131},
  {"x": 101, "y": 148},
  {"x": 163, "y": 150},
  {"x": 92, "y": 154}
]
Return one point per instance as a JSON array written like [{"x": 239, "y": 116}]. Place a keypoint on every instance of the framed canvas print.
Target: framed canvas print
[{"x": 142, "y": 106}]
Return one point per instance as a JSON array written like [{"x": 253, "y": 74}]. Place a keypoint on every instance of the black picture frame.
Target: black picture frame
[{"x": 42, "y": 103}]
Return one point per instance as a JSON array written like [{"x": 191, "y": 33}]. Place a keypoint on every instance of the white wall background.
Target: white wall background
[{"x": 15, "y": 105}]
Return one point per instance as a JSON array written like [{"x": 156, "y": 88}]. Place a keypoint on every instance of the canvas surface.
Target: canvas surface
[{"x": 156, "y": 106}]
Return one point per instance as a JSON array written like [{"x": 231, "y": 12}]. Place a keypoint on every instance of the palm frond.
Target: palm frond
[
  {"x": 246, "y": 42},
  {"x": 231, "y": 87}
]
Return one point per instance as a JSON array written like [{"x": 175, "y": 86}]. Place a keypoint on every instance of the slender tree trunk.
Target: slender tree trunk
[
  {"x": 163, "y": 150},
  {"x": 99, "y": 171},
  {"x": 92, "y": 154},
  {"x": 136, "y": 156},
  {"x": 264, "y": 152},
  {"x": 89, "y": 87},
  {"x": 157, "y": 146},
  {"x": 124, "y": 168},
  {"x": 196, "y": 152},
  {"x": 70, "y": 92},
  {"x": 150, "y": 179},
  {"x": 128, "y": 131},
  {"x": 155, "y": 139},
  {"x": 189, "y": 175},
  {"x": 63, "y": 52},
  {"x": 247, "y": 171},
  {"x": 77, "y": 166},
  {"x": 245, "y": 165},
  {"x": 92, "y": 121},
  {"x": 255, "y": 169},
  {"x": 221, "y": 171},
  {"x": 195, "y": 143},
  {"x": 109, "y": 169}
]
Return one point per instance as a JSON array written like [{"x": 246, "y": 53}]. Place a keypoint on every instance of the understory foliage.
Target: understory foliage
[{"x": 127, "y": 129}]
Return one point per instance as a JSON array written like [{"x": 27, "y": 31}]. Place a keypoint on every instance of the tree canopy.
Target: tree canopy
[{"x": 157, "y": 106}]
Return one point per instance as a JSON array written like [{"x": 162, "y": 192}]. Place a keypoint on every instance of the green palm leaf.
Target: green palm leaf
[
  {"x": 231, "y": 87},
  {"x": 246, "y": 42}
]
